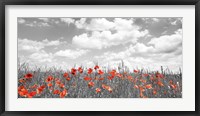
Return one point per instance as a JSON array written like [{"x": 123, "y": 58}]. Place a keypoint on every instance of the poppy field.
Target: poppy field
[{"x": 96, "y": 82}]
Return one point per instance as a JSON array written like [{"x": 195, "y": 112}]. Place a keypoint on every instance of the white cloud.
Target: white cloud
[
  {"x": 67, "y": 20},
  {"x": 71, "y": 54},
  {"x": 37, "y": 24},
  {"x": 167, "y": 43},
  {"x": 21, "y": 20},
  {"x": 41, "y": 56},
  {"x": 44, "y": 19},
  {"x": 106, "y": 33},
  {"x": 32, "y": 46}
]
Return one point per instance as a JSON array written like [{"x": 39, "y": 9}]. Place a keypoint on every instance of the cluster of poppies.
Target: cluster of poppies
[{"x": 57, "y": 86}]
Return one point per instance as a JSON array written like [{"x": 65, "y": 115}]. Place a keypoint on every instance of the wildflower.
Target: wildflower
[
  {"x": 96, "y": 67},
  {"x": 148, "y": 86},
  {"x": 65, "y": 75},
  {"x": 56, "y": 91},
  {"x": 49, "y": 78},
  {"x": 135, "y": 86},
  {"x": 90, "y": 71},
  {"x": 135, "y": 71},
  {"x": 100, "y": 72},
  {"x": 63, "y": 93},
  {"x": 49, "y": 84},
  {"x": 31, "y": 94},
  {"x": 98, "y": 90},
  {"x": 73, "y": 71},
  {"x": 91, "y": 84},
  {"x": 28, "y": 76},
  {"x": 160, "y": 83},
  {"x": 87, "y": 78},
  {"x": 80, "y": 70},
  {"x": 22, "y": 91}
]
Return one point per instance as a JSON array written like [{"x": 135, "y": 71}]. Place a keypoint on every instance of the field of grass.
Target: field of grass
[{"x": 95, "y": 82}]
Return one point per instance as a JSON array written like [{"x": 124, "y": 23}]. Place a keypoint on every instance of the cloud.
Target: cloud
[
  {"x": 41, "y": 56},
  {"x": 44, "y": 19},
  {"x": 71, "y": 54},
  {"x": 32, "y": 46},
  {"x": 105, "y": 33},
  {"x": 21, "y": 20},
  {"x": 96, "y": 24},
  {"x": 167, "y": 43},
  {"x": 67, "y": 20},
  {"x": 37, "y": 24}
]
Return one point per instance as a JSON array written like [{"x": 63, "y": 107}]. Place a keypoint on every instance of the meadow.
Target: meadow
[{"x": 97, "y": 82}]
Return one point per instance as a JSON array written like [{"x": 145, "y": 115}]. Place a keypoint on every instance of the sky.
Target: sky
[{"x": 72, "y": 42}]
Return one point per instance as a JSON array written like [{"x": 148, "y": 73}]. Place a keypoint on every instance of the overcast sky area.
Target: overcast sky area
[{"x": 63, "y": 42}]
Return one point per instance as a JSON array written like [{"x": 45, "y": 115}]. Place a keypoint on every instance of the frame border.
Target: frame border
[{"x": 3, "y": 3}]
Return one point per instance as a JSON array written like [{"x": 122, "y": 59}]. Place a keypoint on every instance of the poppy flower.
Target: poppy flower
[
  {"x": 63, "y": 93},
  {"x": 28, "y": 76},
  {"x": 148, "y": 86},
  {"x": 31, "y": 94},
  {"x": 34, "y": 86},
  {"x": 109, "y": 89},
  {"x": 49, "y": 84},
  {"x": 87, "y": 78},
  {"x": 80, "y": 70},
  {"x": 119, "y": 75},
  {"x": 130, "y": 78},
  {"x": 90, "y": 71},
  {"x": 68, "y": 78},
  {"x": 56, "y": 91},
  {"x": 22, "y": 80},
  {"x": 98, "y": 90},
  {"x": 96, "y": 67},
  {"x": 143, "y": 81},
  {"x": 160, "y": 83},
  {"x": 135, "y": 86},
  {"x": 145, "y": 75},
  {"x": 58, "y": 82},
  {"x": 104, "y": 86},
  {"x": 110, "y": 77},
  {"x": 61, "y": 85},
  {"x": 154, "y": 92},
  {"x": 22, "y": 91},
  {"x": 91, "y": 84},
  {"x": 113, "y": 73},
  {"x": 65, "y": 75},
  {"x": 73, "y": 71},
  {"x": 100, "y": 72},
  {"x": 49, "y": 78},
  {"x": 40, "y": 89},
  {"x": 173, "y": 86},
  {"x": 101, "y": 79},
  {"x": 135, "y": 71}
]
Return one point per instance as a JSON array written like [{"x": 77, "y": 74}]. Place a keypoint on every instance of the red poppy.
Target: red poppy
[
  {"x": 65, "y": 75},
  {"x": 22, "y": 80},
  {"x": 145, "y": 75},
  {"x": 87, "y": 78},
  {"x": 90, "y": 71},
  {"x": 49, "y": 78},
  {"x": 31, "y": 94},
  {"x": 56, "y": 91},
  {"x": 160, "y": 83},
  {"x": 100, "y": 72},
  {"x": 110, "y": 77},
  {"x": 98, "y": 90},
  {"x": 63, "y": 93},
  {"x": 22, "y": 91},
  {"x": 96, "y": 67},
  {"x": 135, "y": 86},
  {"x": 58, "y": 82},
  {"x": 28, "y": 76},
  {"x": 119, "y": 75},
  {"x": 113, "y": 73},
  {"x": 34, "y": 86},
  {"x": 135, "y": 71},
  {"x": 49, "y": 84},
  {"x": 68, "y": 78},
  {"x": 148, "y": 86},
  {"x": 109, "y": 89},
  {"x": 173, "y": 86},
  {"x": 80, "y": 70},
  {"x": 154, "y": 92},
  {"x": 101, "y": 79},
  {"x": 158, "y": 75},
  {"x": 40, "y": 89},
  {"x": 91, "y": 84},
  {"x": 73, "y": 71},
  {"x": 62, "y": 85},
  {"x": 130, "y": 78}
]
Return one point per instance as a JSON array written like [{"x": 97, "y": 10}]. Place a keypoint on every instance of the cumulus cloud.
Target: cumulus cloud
[
  {"x": 41, "y": 56},
  {"x": 67, "y": 20},
  {"x": 102, "y": 35},
  {"x": 167, "y": 43},
  {"x": 71, "y": 54},
  {"x": 32, "y": 46},
  {"x": 44, "y": 19}
]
